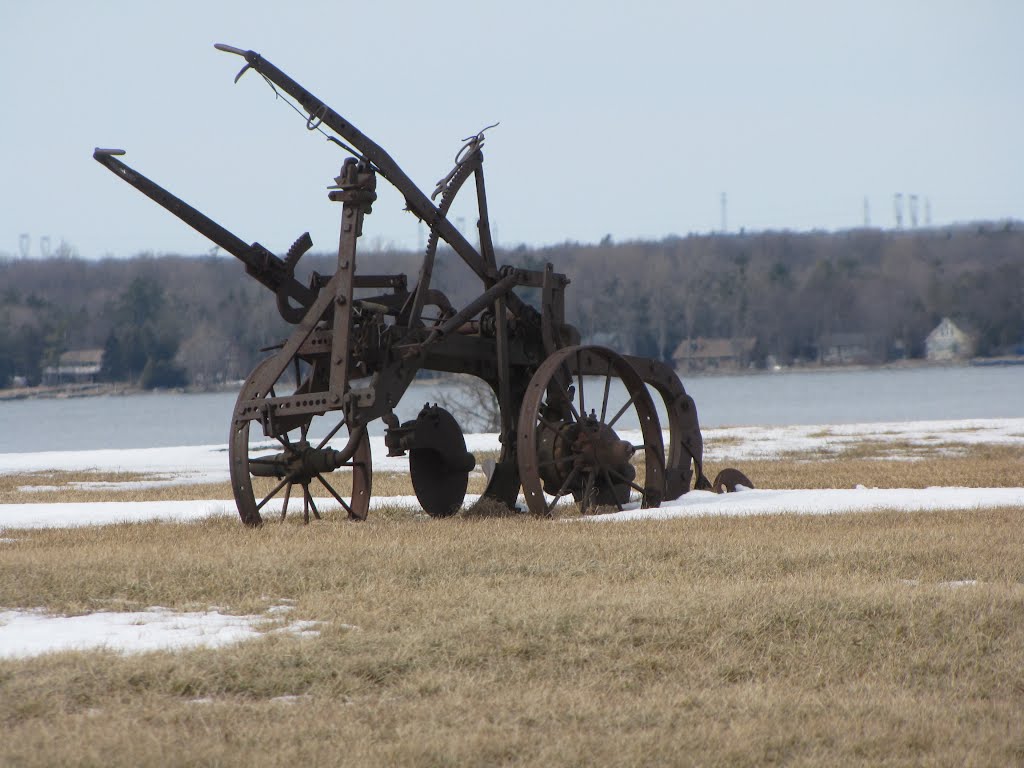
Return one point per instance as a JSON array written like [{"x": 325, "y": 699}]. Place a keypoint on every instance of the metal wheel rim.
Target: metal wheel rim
[
  {"x": 579, "y": 361},
  {"x": 356, "y": 504}
]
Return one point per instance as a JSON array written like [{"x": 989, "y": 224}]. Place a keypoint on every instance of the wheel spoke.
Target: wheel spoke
[
  {"x": 579, "y": 381},
  {"x": 332, "y": 433},
  {"x": 271, "y": 495},
  {"x": 335, "y": 494},
  {"x": 568, "y": 401},
  {"x": 548, "y": 508},
  {"x": 313, "y": 507},
  {"x": 607, "y": 389},
  {"x": 305, "y": 503},
  {"x": 556, "y": 462},
  {"x": 622, "y": 410},
  {"x": 611, "y": 487},
  {"x": 588, "y": 492},
  {"x": 554, "y": 427},
  {"x": 630, "y": 483},
  {"x": 287, "y": 495}
]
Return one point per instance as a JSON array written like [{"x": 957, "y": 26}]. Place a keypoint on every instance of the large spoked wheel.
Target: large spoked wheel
[
  {"x": 302, "y": 456},
  {"x": 602, "y": 447}
]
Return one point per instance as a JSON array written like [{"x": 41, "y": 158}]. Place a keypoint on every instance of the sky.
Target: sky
[{"x": 623, "y": 119}]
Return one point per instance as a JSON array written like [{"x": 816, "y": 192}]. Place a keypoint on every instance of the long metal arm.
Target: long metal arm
[
  {"x": 259, "y": 262},
  {"x": 416, "y": 200}
]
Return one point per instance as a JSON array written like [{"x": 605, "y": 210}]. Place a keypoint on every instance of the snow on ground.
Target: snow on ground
[
  {"x": 28, "y": 633},
  {"x": 208, "y": 463},
  {"x": 762, "y": 442},
  {"x": 35, "y": 632},
  {"x": 76, "y": 514},
  {"x": 821, "y": 502}
]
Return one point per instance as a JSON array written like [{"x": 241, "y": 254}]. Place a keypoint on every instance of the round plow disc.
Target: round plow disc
[{"x": 439, "y": 464}]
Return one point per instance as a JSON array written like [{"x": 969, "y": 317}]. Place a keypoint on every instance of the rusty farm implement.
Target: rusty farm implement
[{"x": 300, "y": 421}]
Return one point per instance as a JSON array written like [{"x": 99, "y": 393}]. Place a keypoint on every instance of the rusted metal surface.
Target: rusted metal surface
[
  {"x": 730, "y": 480},
  {"x": 359, "y": 341},
  {"x": 566, "y": 449}
]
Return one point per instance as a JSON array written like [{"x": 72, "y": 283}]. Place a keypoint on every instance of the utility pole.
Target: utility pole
[
  {"x": 913, "y": 211},
  {"x": 867, "y": 213},
  {"x": 897, "y": 207}
]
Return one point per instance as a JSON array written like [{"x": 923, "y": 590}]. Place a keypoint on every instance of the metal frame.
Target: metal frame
[{"x": 356, "y": 357}]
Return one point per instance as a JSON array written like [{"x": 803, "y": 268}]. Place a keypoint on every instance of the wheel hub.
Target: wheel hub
[
  {"x": 586, "y": 448},
  {"x": 300, "y": 464}
]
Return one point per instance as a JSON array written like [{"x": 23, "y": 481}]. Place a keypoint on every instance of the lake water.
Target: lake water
[{"x": 784, "y": 397}]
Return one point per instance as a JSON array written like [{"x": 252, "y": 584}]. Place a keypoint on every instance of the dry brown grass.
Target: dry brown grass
[
  {"x": 713, "y": 641},
  {"x": 867, "y": 462},
  {"x": 987, "y": 466},
  {"x": 60, "y": 487},
  {"x": 837, "y": 640}
]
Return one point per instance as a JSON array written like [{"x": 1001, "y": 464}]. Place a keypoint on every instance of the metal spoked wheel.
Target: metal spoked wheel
[
  {"x": 299, "y": 456},
  {"x": 572, "y": 444}
]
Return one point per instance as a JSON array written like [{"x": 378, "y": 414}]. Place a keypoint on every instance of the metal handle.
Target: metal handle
[{"x": 229, "y": 49}]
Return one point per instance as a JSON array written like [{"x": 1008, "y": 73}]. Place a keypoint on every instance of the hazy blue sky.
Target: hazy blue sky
[{"x": 621, "y": 118}]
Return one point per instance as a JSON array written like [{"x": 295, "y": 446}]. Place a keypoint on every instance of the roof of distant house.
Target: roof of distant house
[
  {"x": 714, "y": 348},
  {"x": 82, "y": 357}
]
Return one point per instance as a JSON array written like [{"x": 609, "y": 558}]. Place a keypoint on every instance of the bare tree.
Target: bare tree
[{"x": 472, "y": 402}]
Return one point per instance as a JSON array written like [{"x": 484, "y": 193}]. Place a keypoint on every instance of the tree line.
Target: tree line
[{"x": 175, "y": 320}]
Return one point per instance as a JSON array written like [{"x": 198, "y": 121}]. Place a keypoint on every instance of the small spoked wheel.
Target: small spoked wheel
[
  {"x": 298, "y": 456},
  {"x": 600, "y": 444}
]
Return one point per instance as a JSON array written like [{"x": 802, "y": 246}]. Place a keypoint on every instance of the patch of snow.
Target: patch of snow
[
  {"x": 692, "y": 504},
  {"x": 77, "y": 514},
  {"x": 196, "y": 478},
  {"x": 738, "y": 443},
  {"x": 209, "y": 463},
  {"x": 27, "y": 633},
  {"x": 823, "y": 502}
]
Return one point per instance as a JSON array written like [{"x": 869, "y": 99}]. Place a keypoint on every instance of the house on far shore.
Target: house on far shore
[
  {"x": 694, "y": 355},
  {"x": 77, "y": 366},
  {"x": 949, "y": 341},
  {"x": 845, "y": 349}
]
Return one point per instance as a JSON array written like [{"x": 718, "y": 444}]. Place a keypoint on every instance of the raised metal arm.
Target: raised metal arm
[
  {"x": 416, "y": 201},
  {"x": 267, "y": 268}
]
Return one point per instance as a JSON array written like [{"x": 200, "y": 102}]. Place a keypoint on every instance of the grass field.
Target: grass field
[{"x": 886, "y": 638}]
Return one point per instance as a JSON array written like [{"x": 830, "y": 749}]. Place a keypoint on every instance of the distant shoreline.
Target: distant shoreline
[{"x": 106, "y": 389}]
